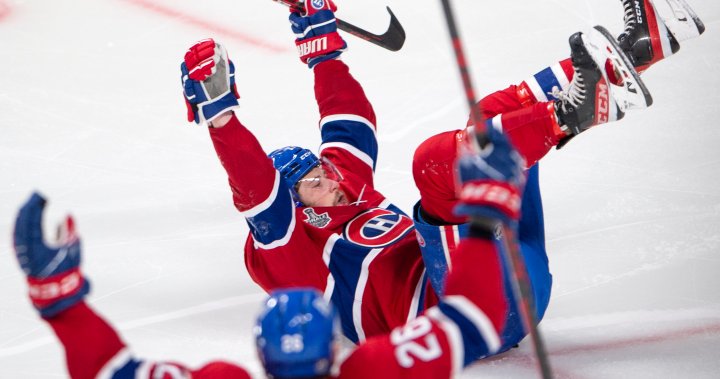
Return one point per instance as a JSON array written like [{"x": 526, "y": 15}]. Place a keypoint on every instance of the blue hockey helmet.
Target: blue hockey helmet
[
  {"x": 296, "y": 334},
  {"x": 293, "y": 162}
]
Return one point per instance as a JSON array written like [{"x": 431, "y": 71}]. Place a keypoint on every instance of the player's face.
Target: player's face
[{"x": 316, "y": 189}]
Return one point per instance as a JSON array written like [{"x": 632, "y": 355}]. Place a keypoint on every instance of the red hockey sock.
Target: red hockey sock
[{"x": 533, "y": 130}]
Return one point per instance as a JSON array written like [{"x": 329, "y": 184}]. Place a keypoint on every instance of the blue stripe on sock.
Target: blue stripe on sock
[{"x": 547, "y": 80}]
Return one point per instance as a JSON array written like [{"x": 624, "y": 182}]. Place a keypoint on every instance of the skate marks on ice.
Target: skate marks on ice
[
  {"x": 631, "y": 344},
  {"x": 238, "y": 302}
]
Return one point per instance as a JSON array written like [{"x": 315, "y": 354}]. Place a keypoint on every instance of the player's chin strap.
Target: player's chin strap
[
  {"x": 393, "y": 39},
  {"x": 359, "y": 201}
]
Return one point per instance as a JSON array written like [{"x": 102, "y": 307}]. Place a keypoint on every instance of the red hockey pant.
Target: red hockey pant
[{"x": 532, "y": 128}]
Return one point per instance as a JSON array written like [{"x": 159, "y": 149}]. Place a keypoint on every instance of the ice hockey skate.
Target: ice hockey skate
[
  {"x": 604, "y": 86},
  {"x": 645, "y": 39},
  {"x": 682, "y": 20}
]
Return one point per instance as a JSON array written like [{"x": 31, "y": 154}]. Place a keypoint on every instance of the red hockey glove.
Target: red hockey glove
[
  {"x": 491, "y": 180},
  {"x": 208, "y": 78}
]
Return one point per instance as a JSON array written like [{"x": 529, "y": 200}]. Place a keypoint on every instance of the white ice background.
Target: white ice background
[{"x": 91, "y": 114}]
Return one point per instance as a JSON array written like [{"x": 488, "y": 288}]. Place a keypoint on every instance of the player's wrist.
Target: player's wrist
[
  {"x": 53, "y": 295},
  {"x": 221, "y": 120},
  {"x": 483, "y": 227}
]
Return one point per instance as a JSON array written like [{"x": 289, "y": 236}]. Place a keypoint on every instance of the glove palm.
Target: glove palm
[{"x": 208, "y": 79}]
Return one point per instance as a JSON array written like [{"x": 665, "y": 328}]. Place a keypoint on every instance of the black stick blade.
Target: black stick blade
[{"x": 393, "y": 39}]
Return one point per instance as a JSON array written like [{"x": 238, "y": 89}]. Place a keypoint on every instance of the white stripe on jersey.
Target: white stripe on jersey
[
  {"x": 115, "y": 363},
  {"x": 477, "y": 317},
  {"x": 329, "y": 246},
  {"x": 267, "y": 203},
  {"x": 282, "y": 241},
  {"x": 347, "y": 117},
  {"x": 415, "y": 303},
  {"x": 329, "y": 288},
  {"x": 307, "y": 30},
  {"x": 360, "y": 290},
  {"x": 449, "y": 245},
  {"x": 357, "y": 153},
  {"x": 454, "y": 336},
  {"x": 327, "y": 251},
  {"x": 497, "y": 122}
]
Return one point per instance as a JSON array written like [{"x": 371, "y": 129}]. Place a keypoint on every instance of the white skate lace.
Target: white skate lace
[
  {"x": 629, "y": 18},
  {"x": 575, "y": 93}
]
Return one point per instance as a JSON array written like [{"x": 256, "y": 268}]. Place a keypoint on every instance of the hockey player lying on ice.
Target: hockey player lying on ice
[
  {"x": 317, "y": 221},
  {"x": 297, "y": 332}
]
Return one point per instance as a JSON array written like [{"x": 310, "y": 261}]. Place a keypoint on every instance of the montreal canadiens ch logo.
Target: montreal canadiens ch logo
[{"x": 377, "y": 228}]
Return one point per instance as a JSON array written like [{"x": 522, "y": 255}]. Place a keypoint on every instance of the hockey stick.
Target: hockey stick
[
  {"x": 393, "y": 39},
  {"x": 516, "y": 265}
]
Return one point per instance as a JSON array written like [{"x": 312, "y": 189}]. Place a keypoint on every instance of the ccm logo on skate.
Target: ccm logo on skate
[
  {"x": 312, "y": 46},
  {"x": 639, "y": 11},
  {"x": 377, "y": 228},
  {"x": 602, "y": 103}
]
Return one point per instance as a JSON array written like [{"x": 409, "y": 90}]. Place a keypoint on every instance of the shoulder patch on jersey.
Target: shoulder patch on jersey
[
  {"x": 316, "y": 220},
  {"x": 377, "y": 227}
]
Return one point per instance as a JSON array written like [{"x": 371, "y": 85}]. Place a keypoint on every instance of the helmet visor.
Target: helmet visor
[{"x": 315, "y": 178}]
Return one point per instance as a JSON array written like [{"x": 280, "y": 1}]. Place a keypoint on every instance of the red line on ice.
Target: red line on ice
[
  {"x": 528, "y": 360},
  {"x": 629, "y": 342},
  {"x": 207, "y": 25},
  {"x": 4, "y": 10}
]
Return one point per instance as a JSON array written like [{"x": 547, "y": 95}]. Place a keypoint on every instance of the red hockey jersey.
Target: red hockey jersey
[
  {"x": 436, "y": 345},
  {"x": 363, "y": 256}
]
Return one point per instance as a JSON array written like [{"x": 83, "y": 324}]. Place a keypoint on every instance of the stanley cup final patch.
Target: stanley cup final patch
[{"x": 316, "y": 220}]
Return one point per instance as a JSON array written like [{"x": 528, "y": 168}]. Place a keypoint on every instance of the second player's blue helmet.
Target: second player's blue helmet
[
  {"x": 296, "y": 334},
  {"x": 293, "y": 162}
]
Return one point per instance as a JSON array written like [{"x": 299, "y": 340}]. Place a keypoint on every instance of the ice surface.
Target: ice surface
[{"x": 92, "y": 116}]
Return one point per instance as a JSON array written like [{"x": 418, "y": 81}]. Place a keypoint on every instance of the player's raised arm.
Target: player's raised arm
[
  {"x": 347, "y": 119},
  {"x": 208, "y": 77},
  {"x": 57, "y": 289}
]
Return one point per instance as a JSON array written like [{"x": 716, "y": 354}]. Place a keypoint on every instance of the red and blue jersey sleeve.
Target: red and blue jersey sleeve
[
  {"x": 257, "y": 187},
  {"x": 464, "y": 326},
  {"x": 93, "y": 349},
  {"x": 420, "y": 349},
  {"x": 279, "y": 253},
  {"x": 347, "y": 121}
]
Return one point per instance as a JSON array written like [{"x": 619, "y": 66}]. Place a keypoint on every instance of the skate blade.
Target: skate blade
[
  {"x": 632, "y": 94},
  {"x": 682, "y": 20}
]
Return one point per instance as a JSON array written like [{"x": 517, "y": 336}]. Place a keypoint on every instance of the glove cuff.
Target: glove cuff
[
  {"x": 321, "y": 48},
  {"x": 56, "y": 293},
  {"x": 488, "y": 197},
  {"x": 208, "y": 111}
]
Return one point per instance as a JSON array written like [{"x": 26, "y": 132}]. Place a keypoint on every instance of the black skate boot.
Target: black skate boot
[
  {"x": 646, "y": 39},
  {"x": 588, "y": 100}
]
